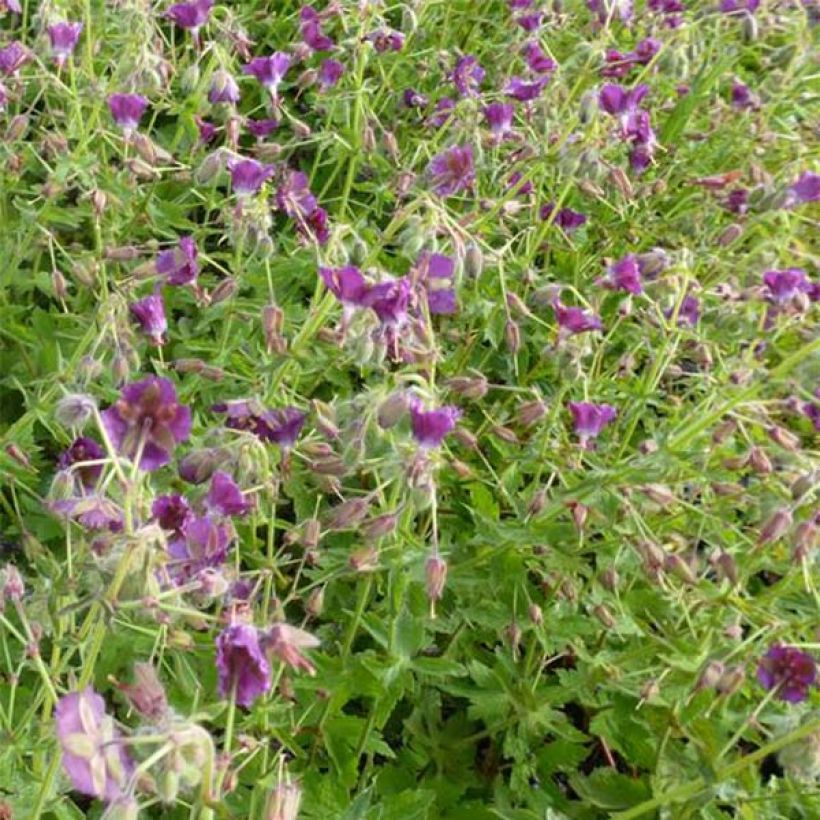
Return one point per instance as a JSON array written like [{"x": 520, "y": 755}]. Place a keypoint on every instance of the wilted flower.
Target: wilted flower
[
  {"x": 63, "y": 37},
  {"x": 224, "y": 88},
  {"x": 789, "y": 670},
  {"x": 286, "y": 643},
  {"x": 225, "y": 497},
  {"x": 147, "y": 421},
  {"x": 589, "y": 419},
  {"x": 330, "y": 72},
  {"x": 248, "y": 176},
  {"x": 467, "y": 76},
  {"x": 127, "y": 110},
  {"x": 269, "y": 71},
  {"x": 280, "y": 426},
  {"x": 83, "y": 449},
  {"x": 431, "y": 426},
  {"x": 241, "y": 664},
  {"x": 178, "y": 265},
  {"x": 150, "y": 315},
  {"x": 92, "y": 754},
  {"x": 452, "y": 170}
]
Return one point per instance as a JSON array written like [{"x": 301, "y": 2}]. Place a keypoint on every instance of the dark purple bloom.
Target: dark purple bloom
[
  {"x": 435, "y": 271},
  {"x": 261, "y": 128},
  {"x": 389, "y": 301},
  {"x": 452, "y": 170},
  {"x": 783, "y": 285},
  {"x": 589, "y": 419},
  {"x": 241, "y": 664},
  {"x": 805, "y": 189},
  {"x": 172, "y": 513},
  {"x": 93, "y": 756},
  {"x": 293, "y": 196},
  {"x": 689, "y": 312},
  {"x": 811, "y": 410},
  {"x": 537, "y": 60},
  {"x": 279, "y": 426},
  {"x": 83, "y": 449},
  {"x": 566, "y": 218},
  {"x": 150, "y": 314},
  {"x": 330, "y": 72},
  {"x": 269, "y": 71},
  {"x": 625, "y": 275},
  {"x": 525, "y": 90},
  {"x": 347, "y": 284},
  {"x": 386, "y": 40},
  {"x": 646, "y": 50},
  {"x": 178, "y": 265},
  {"x": 414, "y": 99},
  {"x": 315, "y": 226},
  {"x": 617, "y": 65},
  {"x": 310, "y": 25},
  {"x": 147, "y": 420},
  {"x": 741, "y": 96},
  {"x": 530, "y": 22},
  {"x": 191, "y": 16},
  {"x": 443, "y": 111},
  {"x": 225, "y": 497},
  {"x": 431, "y": 426},
  {"x": 64, "y": 37},
  {"x": 737, "y": 201},
  {"x": 468, "y": 76},
  {"x": 617, "y": 100},
  {"x": 224, "y": 88},
  {"x": 524, "y": 188},
  {"x": 499, "y": 118},
  {"x": 206, "y": 129},
  {"x": 573, "y": 320},
  {"x": 789, "y": 670},
  {"x": 13, "y": 57},
  {"x": 127, "y": 110},
  {"x": 248, "y": 176}
]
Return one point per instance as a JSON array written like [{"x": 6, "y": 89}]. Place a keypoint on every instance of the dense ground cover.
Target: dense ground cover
[{"x": 408, "y": 410}]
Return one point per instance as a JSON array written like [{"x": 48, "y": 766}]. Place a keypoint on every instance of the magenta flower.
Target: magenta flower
[
  {"x": 499, "y": 118},
  {"x": 783, "y": 285},
  {"x": 646, "y": 50},
  {"x": 207, "y": 130},
  {"x": 566, "y": 218},
  {"x": 589, "y": 419},
  {"x": 617, "y": 100},
  {"x": 310, "y": 25},
  {"x": 737, "y": 201},
  {"x": 443, "y": 111},
  {"x": 241, "y": 664},
  {"x": 805, "y": 189},
  {"x": 788, "y": 670},
  {"x": 330, "y": 72},
  {"x": 386, "y": 40},
  {"x": 537, "y": 60},
  {"x": 315, "y": 226},
  {"x": 279, "y": 426},
  {"x": 347, "y": 284},
  {"x": 293, "y": 196},
  {"x": 224, "y": 88},
  {"x": 431, "y": 426},
  {"x": 178, "y": 265},
  {"x": 269, "y": 71},
  {"x": 452, "y": 170},
  {"x": 150, "y": 315},
  {"x": 13, "y": 57},
  {"x": 617, "y": 65},
  {"x": 148, "y": 421},
  {"x": 525, "y": 90},
  {"x": 127, "y": 110},
  {"x": 191, "y": 16},
  {"x": 225, "y": 497},
  {"x": 389, "y": 301},
  {"x": 248, "y": 176},
  {"x": 83, "y": 449},
  {"x": 689, "y": 312},
  {"x": 93, "y": 756},
  {"x": 574, "y": 320},
  {"x": 64, "y": 38},
  {"x": 261, "y": 128},
  {"x": 435, "y": 272},
  {"x": 625, "y": 275},
  {"x": 468, "y": 76},
  {"x": 172, "y": 513},
  {"x": 204, "y": 545}
]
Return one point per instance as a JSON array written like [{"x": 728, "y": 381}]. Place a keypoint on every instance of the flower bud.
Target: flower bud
[
  {"x": 650, "y": 689},
  {"x": 311, "y": 534},
  {"x": 284, "y": 801},
  {"x": 364, "y": 560},
  {"x": 776, "y": 526},
  {"x": 609, "y": 579},
  {"x": 602, "y": 613},
  {"x": 805, "y": 539},
  {"x": 465, "y": 438},
  {"x": 123, "y": 253},
  {"x": 759, "y": 461},
  {"x": 380, "y": 526},
  {"x": 731, "y": 680},
  {"x": 12, "y": 587},
  {"x": 538, "y": 501},
  {"x": 680, "y": 568},
  {"x": 512, "y": 336},
  {"x": 348, "y": 514},
  {"x": 473, "y": 261},
  {"x": 74, "y": 410},
  {"x": 18, "y": 126},
  {"x": 580, "y": 512},
  {"x": 504, "y": 434},
  {"x": 709, "y": 676},
  {"x": 723, "y": 431},
  {"x": 536, "y": 614},
  {"x": 531, "y": 412},
  {"x": 226, "y": 289},
  {"x": 146, "y": 695},
  {"x": 435, "y": 571},
  {"x": 658, "y": 493},
  {"x": 513, "y": 635},
  {"x": 316, "y": 602},
  {"x": 726, "y": 567},
  {"x": 392, "y": 409},
  {"x": 783, "y": 438},
  {"x": 468, "y": 386},
  {"x": 210, "y": 167},
  {"x": 730, "y": 234}
]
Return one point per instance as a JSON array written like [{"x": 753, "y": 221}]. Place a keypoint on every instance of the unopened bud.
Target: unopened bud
[
  {"x": 609, "y": 579},
  {"x": 602, "y": 613},
  {"x": 513, "y": 635},
  {"x": 226, "y": 289},
  {"x": 435, "y": 571},
  {"x": 512, "y": 336},
  {"x": 580, "y": 512},
  {"x": 146, "y": 694},
  {"x": 504, "y": 434},
  {"x": 316, "y": 602},
  {"x": 726, "y": 567},
  {"x": 536, "y": 614},
  {"x": 198, "y": 466},
  {"x": 391, "y": 144},
  {"x": 759, "y": 461},
  {"x": 18, "y": 126},
  {"x": 731, "y": 680},
  {"x": 465, "y": 438},
  {"x": 805, "y": 539},
  {"x": 776, "y": 526},
  {"x": 120, "y": 367},
  {"x": 74, "y": 409},
  {"x": 680, "y": 568},
  {"x": 803, "y": 483},
  {"x": 284, "y": 802},
  {"x": 658, "y": 493},
  {"x": 709, "y": 676},
  {"x": 12, "y": 587},
  {"x": 538, "y": 501},
  {"x": 123, "y": 253},
  {"x": 730, "y": 234},
  {"x": 723, "y": 431},
  {"x": 783, "y": 438},
  {"x": 392, "y": 409},
  {"x": 380, "y": 526},
  {"x": 473, "y": 260},
  {"x": 531, "y": 412},
  {"x": 469, "y": 387},
  {"x": 311, "y": 533},
  {"x": 650, "y": 689},
  {"x": 364, "y": 560},
  {"x": 210, "y": 167},
  {"x": 348, "y": 513}
]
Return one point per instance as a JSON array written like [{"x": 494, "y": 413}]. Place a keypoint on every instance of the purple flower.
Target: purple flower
[
  {"x": 625, "y": 275},
  {"x": 64, "y": 37},
  {"x": 93, "y": 511},
  {"x": 248, "y": 176},
  {"x": 12, "y": 6},
  {"x": 172, "y": 513},
  {"x": 311, "y": 29},
  {"x": 150, "y": 315},
  {"x": 783, "y": 285},
  {"x": 389, "y": 301},
  {"x": 530, "y": 22},
  {"x": 293, "y": 196},
  {"x": 241, "y": 664},
  {"x": 330, "y": 72},
  {"x": 646, "y": 50},
  {"x": 689, "y": 312},
  {"x": 522, "y": 190},
  {"x": 811, "y": 411},
  {"x": 537, "y": 60},
  {"x": 95, "y": 760},
  {"x": 279, "y": 426},
  {"x": 617, "y": 100},
  {"x": 147, "y": 420},
  {"x": 191, "y": 16},
  {"x": 347, "y": 284},
  {"x": 734, "y": 6},
  {"x": 566, "y": 218},
  {"x": 452, "y": 170},
  {"x": 603, "y": 10},
  {"x": 13, "y": 57},
  {"x": 468, "y": 76},
  {"x": 315, "y": 226},
  {"x": 737, "y": 201},
  {"x": 431, "y": 426},
  {"x": 385, "y": 40},
  {"x": 269, "y": 71},
  {"x": 805, "y": 189},
  {"x": 617, "y": 65},
  {"x": 525, "y": 90},
  {"x": 414, "y": 99},
  {"x": 445, "y": 108},
  {"x": 83, "y": 449},
  {"x": 789, "y": 670},
  {"x": 225, "y": 497},
  {"x": 515, "y": 5},
  {"x": 127, "y": 110},
  {"x": 499, "y": 118},
  {"x": 574, "y": 320},
  {"x": 435, "y": 271},
  {"x": 261, "y": 128},
  {"x": 741, "y": 95},
  {"x": 589, "y": 419},
  {"x": 204, "y": 545},
  {"x": 206, "y": 129},
  {"x": 178, "y": 265},
  {"x": 224, "y": 88}
]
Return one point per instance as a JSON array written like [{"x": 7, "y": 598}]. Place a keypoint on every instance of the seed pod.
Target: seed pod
[
  {"x": 225, "y": 290},
  {"x": 776, "y": 526},
  {"x": 504, "y": 434},
  {"x": 470, "y": 387},
  {"x": 531, "y": 412},
  {"x": 364, "y": 560},
  {"x": 602, "y": 613}
]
